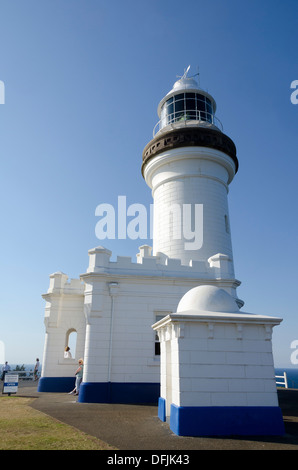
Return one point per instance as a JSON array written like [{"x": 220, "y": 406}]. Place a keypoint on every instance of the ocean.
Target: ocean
[
  {"x": 28, "y": 367},
  {"x": 25, "y": 368}
]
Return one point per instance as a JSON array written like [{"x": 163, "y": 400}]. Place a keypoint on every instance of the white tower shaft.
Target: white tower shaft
[
  {"x": 189, "y": 165},
  {"x": 189, "y": 187}
]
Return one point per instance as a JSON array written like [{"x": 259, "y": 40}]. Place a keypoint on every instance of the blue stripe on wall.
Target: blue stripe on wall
[
  {"x": 56, "y": 384},
  {"x": 226, "y": 421},
  {"x": 162, "y": 409},
  {"x": 105, "y": 392},
  {"x": 115, "y": 392}
]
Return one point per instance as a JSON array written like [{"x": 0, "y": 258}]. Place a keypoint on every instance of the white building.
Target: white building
[
  {"x": 188, "y": 165},
  {"x": 217, "y": 370}
]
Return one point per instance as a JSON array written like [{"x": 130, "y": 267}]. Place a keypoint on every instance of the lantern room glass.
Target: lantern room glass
[{"x": 187, "y": 106}]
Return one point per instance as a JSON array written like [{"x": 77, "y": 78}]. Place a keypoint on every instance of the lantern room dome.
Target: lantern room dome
[{"x": 186, "y": 83}]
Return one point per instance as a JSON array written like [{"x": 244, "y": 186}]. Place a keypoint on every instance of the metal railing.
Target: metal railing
[
  {"x": 23, "y": 374},
  {"x": 187, "y": 118},
  {"x": 285, "y": 380}
]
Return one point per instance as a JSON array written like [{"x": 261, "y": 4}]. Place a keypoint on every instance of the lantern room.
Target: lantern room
[{"x": 186, "y": 104}]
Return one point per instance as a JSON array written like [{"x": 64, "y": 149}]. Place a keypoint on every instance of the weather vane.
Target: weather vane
[{"x": 186, "y": 72}]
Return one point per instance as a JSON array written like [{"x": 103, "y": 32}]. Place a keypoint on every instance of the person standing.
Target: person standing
[
  {"x": 36, "y": 369},
  {"x": 79, "y": 377},
  {"x": 5, "y": 368}
]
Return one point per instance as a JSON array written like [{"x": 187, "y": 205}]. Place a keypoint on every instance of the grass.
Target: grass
[{"x": 24, "y": 428}]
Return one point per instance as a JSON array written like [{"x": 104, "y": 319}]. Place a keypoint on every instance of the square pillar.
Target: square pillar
[{"x": 217, "y": 374}]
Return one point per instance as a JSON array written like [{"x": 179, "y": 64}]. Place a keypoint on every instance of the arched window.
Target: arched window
[{"x": 71, "y": 341}]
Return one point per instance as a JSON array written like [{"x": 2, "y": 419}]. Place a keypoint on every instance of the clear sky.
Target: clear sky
[{"x": 82, "y": 83}]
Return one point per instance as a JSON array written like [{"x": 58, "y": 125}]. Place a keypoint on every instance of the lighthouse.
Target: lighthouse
[
  {"x": 111, "y": 307},
  {"x": 217, "y": 370},
  {"x": 189, "y": 165}
]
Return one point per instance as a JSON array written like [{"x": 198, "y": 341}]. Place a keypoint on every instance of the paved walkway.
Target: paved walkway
[{"x": 136, "y": 427}]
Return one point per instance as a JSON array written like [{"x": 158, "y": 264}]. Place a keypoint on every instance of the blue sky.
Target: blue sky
[{"x": 82, "y": 83}]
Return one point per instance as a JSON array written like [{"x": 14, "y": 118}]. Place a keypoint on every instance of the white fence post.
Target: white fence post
[{"x": 285, "y": 380}]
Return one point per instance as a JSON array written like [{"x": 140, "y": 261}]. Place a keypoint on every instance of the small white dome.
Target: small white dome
[
  {"x": 186, "y": 83},
  {"x": 208, "y": 298}
]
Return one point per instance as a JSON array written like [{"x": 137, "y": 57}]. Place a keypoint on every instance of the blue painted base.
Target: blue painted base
[
  {"x": 162, "y": 409},
  {"x": 114, "y": 392},
  {"x": 56, "y": 384},
  {"x": 227, "y": 421}
]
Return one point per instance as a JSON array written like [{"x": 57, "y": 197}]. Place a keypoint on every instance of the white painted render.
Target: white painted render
[
  {"x": 191, "y": 176},
  {"x": 113, "y": 306},
  {"x": 216, "y": 358}
]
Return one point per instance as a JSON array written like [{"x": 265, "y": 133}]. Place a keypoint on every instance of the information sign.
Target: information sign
[{"x": 10, "y": 383}]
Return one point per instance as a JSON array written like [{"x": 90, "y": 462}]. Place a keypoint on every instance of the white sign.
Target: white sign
[{"x": 11, "y": 383}]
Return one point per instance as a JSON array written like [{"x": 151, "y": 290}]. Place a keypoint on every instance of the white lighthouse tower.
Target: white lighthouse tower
[
  {"x": 189, "y": 165},
  {"x": 207, "y": 364},
  {"x": 217, "y": 370}
]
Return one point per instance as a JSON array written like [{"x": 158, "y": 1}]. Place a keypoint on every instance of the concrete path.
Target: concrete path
[{"x": 136, "y": 427}]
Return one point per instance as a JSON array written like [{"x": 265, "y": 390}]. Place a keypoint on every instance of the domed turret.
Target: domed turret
[{"x": 209, "y": 299}]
